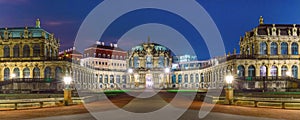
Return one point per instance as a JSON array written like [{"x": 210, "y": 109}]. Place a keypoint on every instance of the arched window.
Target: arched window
[
  {"x": 202, "y": 77},
  {"x": 124, "y": 79},
  {"x": 192, "y": 78},
  {"x": 197, "y": 78},
  {"x": 173, "y": 79},
  {"x": 274, "y": 71},
  {"x": 47, "y": 73},
  {"x": 251, "y": 71},
  {"x": 263, "y": 48},
  {"x": 36, "y": 50},
  {"x": 106, "y": 79},
  {"x": 148, "y": 61},
  {"x": 26, "y": 72},
  {"x": 17, "y": 72},
  {"x": 294, "y": 48},
  {"x": 136, "y": 61},
  {"x": 6, "y": 74},
  {"x": 274, "y": 48},
  {"x": 241, "y": 71},
  {"x": 284, "y": 69},
  {"x": 16, "y": 51},
  {"x": 263, "y": 71},
  {"x": 36, "y": 72},
  {"x": 186, "y": 78},
  {"x": 118, "y": 79},
  {"x": 284, "y": 48},
  {"x": 161, "y": 61},
  {"x": 26, "y": 51},
  {"x": 100, "y": 79},
  {"x": 6, "y": 51},
  {"x": 295, "y": 71},
  {"x": 111, "y": 79},
  {"x": 179, "y": 78},
  {"x": 58, "y": 73}
]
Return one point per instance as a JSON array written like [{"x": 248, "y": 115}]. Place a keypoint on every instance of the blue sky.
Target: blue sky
[{"x": 232, "y": 17}]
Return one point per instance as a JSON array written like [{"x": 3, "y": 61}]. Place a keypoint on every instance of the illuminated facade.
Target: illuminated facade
[{"x": 29, "y": 59}]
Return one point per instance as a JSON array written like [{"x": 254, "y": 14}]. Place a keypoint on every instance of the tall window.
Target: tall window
[
  {"x": 186, "y": 78},
  {"x": 16, "y": 51},
  {"x": 58, "y": 73},
  {"x": 161, "y": 61},
  {"x": 6, "y": 51},
  {"x": 274, "y": 71},
  {"x": 274, "y": 48},
  {"x": 47, "y": 73},
  {"x": 294, "y": 48},
  {"x": 197, "y": 78},
  {"x": 26, "y": 51},
  {"x": 148, "y": 62},
  {"x": 111, "y": 80},
  {"x": 106, "y": 79},
  {"x": 295, "y": 71},
  {"x": 17, "y": 72},
  {"x": 136, "y": 61},
  {"x": 26, "y": 72},
  {"x": 241, "y": 71},
  {"x": 263, "y": 48},
  {"x": 124, "y": 79},
  {"x": 284, "y": 48},
  {"x": 36, "y": 72},
  {"x": 173, "y": 79},
  {"x": 179, "y": 78},
  {"x": 251, "y": 71},
  {"x": 118, "y": 79},
  {"x": 100, "y": 79},
  {"x": 202, "y": 77},
  {"x": 36, "y": 50},
  {"x": 192, "y": 78},
  {"x": 6, "y": 74},
  {"x": 263, "y": 71},
  {"x": 284, "y": 69}
]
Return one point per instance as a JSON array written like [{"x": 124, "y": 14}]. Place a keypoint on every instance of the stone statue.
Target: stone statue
[
  {"x": 289, "y": 32},
  {"x": 273, "y": 30},
  {"x": 255, "y": 31},
  {"x": 5, "y": 34},
  {"x": 294, "y": 30},
  {"x": 26, "y": 33},
  {"x": 38, "y": 23},
  {"x": 261, "y": 20},
  {"x": 268, "y": 31},
  {"x": 279, "y": 32}
]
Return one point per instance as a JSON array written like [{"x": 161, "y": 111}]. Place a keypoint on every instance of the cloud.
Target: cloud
[{"x": 57, "y": 23}]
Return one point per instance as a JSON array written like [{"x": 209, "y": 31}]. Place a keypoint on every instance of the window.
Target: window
[
  {"x": 274, "y": 48},
  {"x": 197, "y": 78},
  {"x": 179, "y": 78},
  {"x": 36, "y": 72},
  {"x": 294, "y": 48},
  {"x": 17, "y": 72},
  {"x": 284, "y": 69},
  {"x": 16, "y": 51},
  {"x": 148, "y": 62},
  {"x": 47, "y": 73},
  {"x": 192, "y": 78},
  {"x": 251, "y": 71},
  {"x": 274, "y": 71},
  {"x": 118, "y": 79},
  {"x": 58, "y": 73},
  {"x": 186, "y": 77},
  {"x": 36, "y": 50},
  {"x": 295, "y": 71},
  {"x": 136, "y": 61},
  {"x": 263, "y": 48},
  {"x": 6, "y": 51},
  {"x": 111, "y": 80},
  {"x": 173, "y": 78},
  {"x": 161, "y": 61},
  {"x": 6, "y": 74},
  {"x": 263, "y": 71},
  {"x": 284, "y": 48},
  {"x": 26, "y": 73},
  {"x": 26, "y": 51},
  {"x": 100, "y": 79},
  {"x": 241, "y": 71}
]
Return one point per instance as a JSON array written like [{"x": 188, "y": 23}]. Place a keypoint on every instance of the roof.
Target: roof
[
  {"x": 106, "y": 47},
  {"x": 285, "y": 29},
  {"x": 18, "y": 32}
]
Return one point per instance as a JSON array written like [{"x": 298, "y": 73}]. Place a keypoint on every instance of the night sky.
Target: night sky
[{"x": 232, "y": 17}]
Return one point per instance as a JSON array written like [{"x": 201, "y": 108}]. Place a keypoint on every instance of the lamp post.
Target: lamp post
[
  {"x": 130, "y": 71},
  {"x": 67, "y": 91},
  {"x": 229, "y": 89}
]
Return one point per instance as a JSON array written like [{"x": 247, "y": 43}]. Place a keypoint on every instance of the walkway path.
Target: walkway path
[{"x": 147, "y": 105}]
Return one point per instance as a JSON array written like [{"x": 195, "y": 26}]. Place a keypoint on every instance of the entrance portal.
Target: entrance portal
[{"x": 149, "y": 81}]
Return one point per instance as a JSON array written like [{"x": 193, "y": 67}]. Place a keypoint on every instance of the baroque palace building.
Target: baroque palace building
[
  {"x": 268, "y": 60},
  {"x": 29, "y": 59}
]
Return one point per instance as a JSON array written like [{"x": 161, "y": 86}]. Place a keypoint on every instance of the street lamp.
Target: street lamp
[
  {"x": 229, "y": 89},
  {"x": 67, "y": 90}
]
